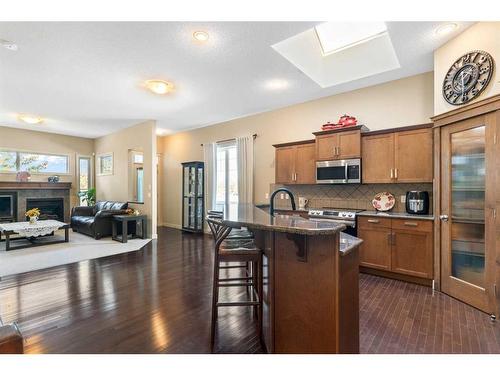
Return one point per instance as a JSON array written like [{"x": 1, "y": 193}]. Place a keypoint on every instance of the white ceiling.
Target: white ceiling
[{"x": 85, "y": 78}]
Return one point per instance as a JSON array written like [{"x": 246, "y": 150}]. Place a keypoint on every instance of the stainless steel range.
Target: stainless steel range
[{"x": 344, "y": 216}]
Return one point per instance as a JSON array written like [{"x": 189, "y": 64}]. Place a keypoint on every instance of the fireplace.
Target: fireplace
[
  {"x": 50, "y": 208},
  {"x": 8, "y": 206}
]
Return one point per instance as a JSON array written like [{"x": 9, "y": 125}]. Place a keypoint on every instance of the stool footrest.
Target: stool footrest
[
  {"x": 236, "y": 278},
  {"x": 244, "y": 303},
  {"x": 230, "y": 267},
  {"x": 236, "y": 284}
]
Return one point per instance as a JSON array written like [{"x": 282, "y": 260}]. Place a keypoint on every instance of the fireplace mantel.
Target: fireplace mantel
[{"x": 14, "y": 185}]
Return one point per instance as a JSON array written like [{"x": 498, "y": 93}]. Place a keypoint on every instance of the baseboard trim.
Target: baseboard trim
[{"x": 170, "y": 225}]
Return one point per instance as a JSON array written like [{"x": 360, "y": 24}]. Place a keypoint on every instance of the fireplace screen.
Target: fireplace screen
[{"x": 6, "y": 206}]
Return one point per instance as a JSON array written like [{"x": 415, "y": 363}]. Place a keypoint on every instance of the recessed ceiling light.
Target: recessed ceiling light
[
  {"x": 276, "y": 84},
  {"x": 160, "y": 131},
  {"x": 337, "y": 36},
  {"x": 8, "y": 45},
  {"x": 201, "y": 36},
  {"x": 446, "y": 28},
  {"x": 30, "y": 119},
  {"x": 159, "y": 87}
]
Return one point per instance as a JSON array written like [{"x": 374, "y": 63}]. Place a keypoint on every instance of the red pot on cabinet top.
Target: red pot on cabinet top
[{"x": 347, "y": 120}]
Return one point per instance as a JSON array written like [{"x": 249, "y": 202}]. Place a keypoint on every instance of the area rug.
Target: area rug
[{"x": 79, "y": 248}]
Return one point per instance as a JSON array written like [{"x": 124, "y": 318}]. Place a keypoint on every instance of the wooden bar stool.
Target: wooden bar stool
[
  {"x": 235, "y": 234},
  {"x": 240, "y": 250}
]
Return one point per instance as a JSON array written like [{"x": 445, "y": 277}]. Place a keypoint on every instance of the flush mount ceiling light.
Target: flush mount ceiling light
[
  {"x": 30, "y": 119},
  {"x": 159, "y": 87},
  {"x": 201, "y": 36},
  {"x": 8, "y": 45},
  {"x": 276, "y": 84},
  {"x": 337, "y": 36},
  {"x": 446, "y": 28}
]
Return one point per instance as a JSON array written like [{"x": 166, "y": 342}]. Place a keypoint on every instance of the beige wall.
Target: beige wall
[
  {"x": 28, "y": 140},
  {"x": 482, "y": 36},
  {"x": 402, "y": 102},
  {"x": 115, "y": 187}
]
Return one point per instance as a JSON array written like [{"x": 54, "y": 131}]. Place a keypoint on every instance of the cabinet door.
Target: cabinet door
[
  {"x": 412, "y": 252},
  {"x": 305, "y": 164},
  {"x": 378, "y": 158},
  {"x": 349, "y": 144},
  {"x": 285, "y": 165},
  {"x": 375, "y": 251},
  {"x": 326, "y": 147},
  {"x": 413, "y": 155}
]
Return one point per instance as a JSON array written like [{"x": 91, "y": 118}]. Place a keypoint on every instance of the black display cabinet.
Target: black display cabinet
[{"x": 193, "y": 196}]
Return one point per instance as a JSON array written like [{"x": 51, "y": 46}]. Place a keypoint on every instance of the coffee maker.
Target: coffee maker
[{"x": 417, "y": 202}]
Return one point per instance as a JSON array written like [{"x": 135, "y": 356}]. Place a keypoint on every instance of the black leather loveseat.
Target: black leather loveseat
[{"x": 95, "y": 221}]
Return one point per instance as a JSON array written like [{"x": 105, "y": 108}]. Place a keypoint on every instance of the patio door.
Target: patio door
[{"x": 468, "y": 211}]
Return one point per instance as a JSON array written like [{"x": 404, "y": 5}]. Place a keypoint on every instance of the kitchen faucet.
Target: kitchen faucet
[{"x": 271, "y": 199}]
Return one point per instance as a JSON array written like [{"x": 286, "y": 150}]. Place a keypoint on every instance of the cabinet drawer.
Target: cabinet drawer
[
  {"x": 373, "y": 222},
  {"x": 412, "y": 224}
]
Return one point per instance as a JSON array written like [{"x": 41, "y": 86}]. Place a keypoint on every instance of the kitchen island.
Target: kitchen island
[{"x": 310, "y": 281}]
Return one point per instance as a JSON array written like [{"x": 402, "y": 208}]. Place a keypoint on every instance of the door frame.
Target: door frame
[{"x": 491, "y": 106}]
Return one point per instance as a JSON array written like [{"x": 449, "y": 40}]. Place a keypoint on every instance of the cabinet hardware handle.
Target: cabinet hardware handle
[
  {"x": 389, "y": 238},
  {"x": 338, "y": 151},
  {"x": 393, "y": 238},
  {"x": 395, "y": 173},
  {"x": 375, "y": 221},
  {"x": 409, "y": 224},
  {"x": 295, "y": 176},
  {"x": 443, "y": 217},
  {"x": 392, "y": 173}
]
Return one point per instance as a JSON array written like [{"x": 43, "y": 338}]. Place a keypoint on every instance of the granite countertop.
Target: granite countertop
[
  {"x": 395, "y": 215},
  {"x": 250, "y": 216},
  {"x": 348, "y": 243}
]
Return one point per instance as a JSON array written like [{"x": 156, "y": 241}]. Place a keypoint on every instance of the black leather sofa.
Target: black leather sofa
[{"x": 95, "y": 221}]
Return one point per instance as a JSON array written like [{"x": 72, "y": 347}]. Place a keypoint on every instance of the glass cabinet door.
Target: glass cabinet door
[{"x": 192, "y": 205}]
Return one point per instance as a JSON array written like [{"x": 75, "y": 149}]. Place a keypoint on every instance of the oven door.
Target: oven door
[{"x": 338, "y": 171}]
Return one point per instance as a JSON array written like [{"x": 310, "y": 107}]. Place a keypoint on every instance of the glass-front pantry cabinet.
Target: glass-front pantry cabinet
[{"x": 192, "y": 196}]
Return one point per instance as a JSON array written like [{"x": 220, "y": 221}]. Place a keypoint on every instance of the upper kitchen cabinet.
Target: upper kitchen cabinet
[
  {"x": 295, "y": 163},
  {"x": 340, "y": 143},
  {"x": 413, "y": 155},
  {"x": 402, "y": 155},
  {"x": 378, "y": 158}
]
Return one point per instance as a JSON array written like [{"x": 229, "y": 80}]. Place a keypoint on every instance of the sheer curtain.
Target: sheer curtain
[
  {"x": 209, "y": 158},
  {"x": 244, "y": 152}
]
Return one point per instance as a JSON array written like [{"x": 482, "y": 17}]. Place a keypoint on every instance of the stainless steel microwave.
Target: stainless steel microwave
[{"x": 346, "y": 171}]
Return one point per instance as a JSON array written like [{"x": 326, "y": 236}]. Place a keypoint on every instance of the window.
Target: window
[
  {"x": 140, "y": 184},
  {"x": 16, "y": 161},
  {"x": 227, "y": 174},
  {"x": 84, "y": 175},
  {"x": 138, "y": 158}
]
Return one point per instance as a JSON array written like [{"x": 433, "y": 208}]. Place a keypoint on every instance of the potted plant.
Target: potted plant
[
  {"x": 33, "y": 215},
  {"x": 88, "y": 196}
]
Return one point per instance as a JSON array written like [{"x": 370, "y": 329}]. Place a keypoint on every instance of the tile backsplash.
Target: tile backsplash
[{"x": 348, "y": 196}]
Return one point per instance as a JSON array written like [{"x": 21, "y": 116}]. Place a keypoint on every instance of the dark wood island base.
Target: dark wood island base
[{"x": 310, "y": 283}]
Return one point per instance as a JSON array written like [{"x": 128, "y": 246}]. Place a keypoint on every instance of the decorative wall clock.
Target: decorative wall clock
[{"x": 468, "y": 77}]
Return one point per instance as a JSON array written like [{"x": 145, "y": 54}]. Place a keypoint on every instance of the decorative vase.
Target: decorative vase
[{"x": 33, "y": 219}]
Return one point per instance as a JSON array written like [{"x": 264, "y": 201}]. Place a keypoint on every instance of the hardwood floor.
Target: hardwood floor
[{"x": 157, "y": 300}]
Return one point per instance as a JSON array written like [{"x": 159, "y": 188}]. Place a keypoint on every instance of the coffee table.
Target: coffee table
[{"x": 32, "y": 232}]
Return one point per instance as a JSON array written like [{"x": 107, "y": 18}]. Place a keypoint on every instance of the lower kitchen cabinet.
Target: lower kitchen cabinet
[
  {"x": 375, "y": 251},
  {"x": 397, "y": 245},
  {"x": 412, "y": 248}
]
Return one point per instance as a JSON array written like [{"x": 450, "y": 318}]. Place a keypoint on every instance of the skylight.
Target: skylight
[{"x": 337, "y": 36}]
